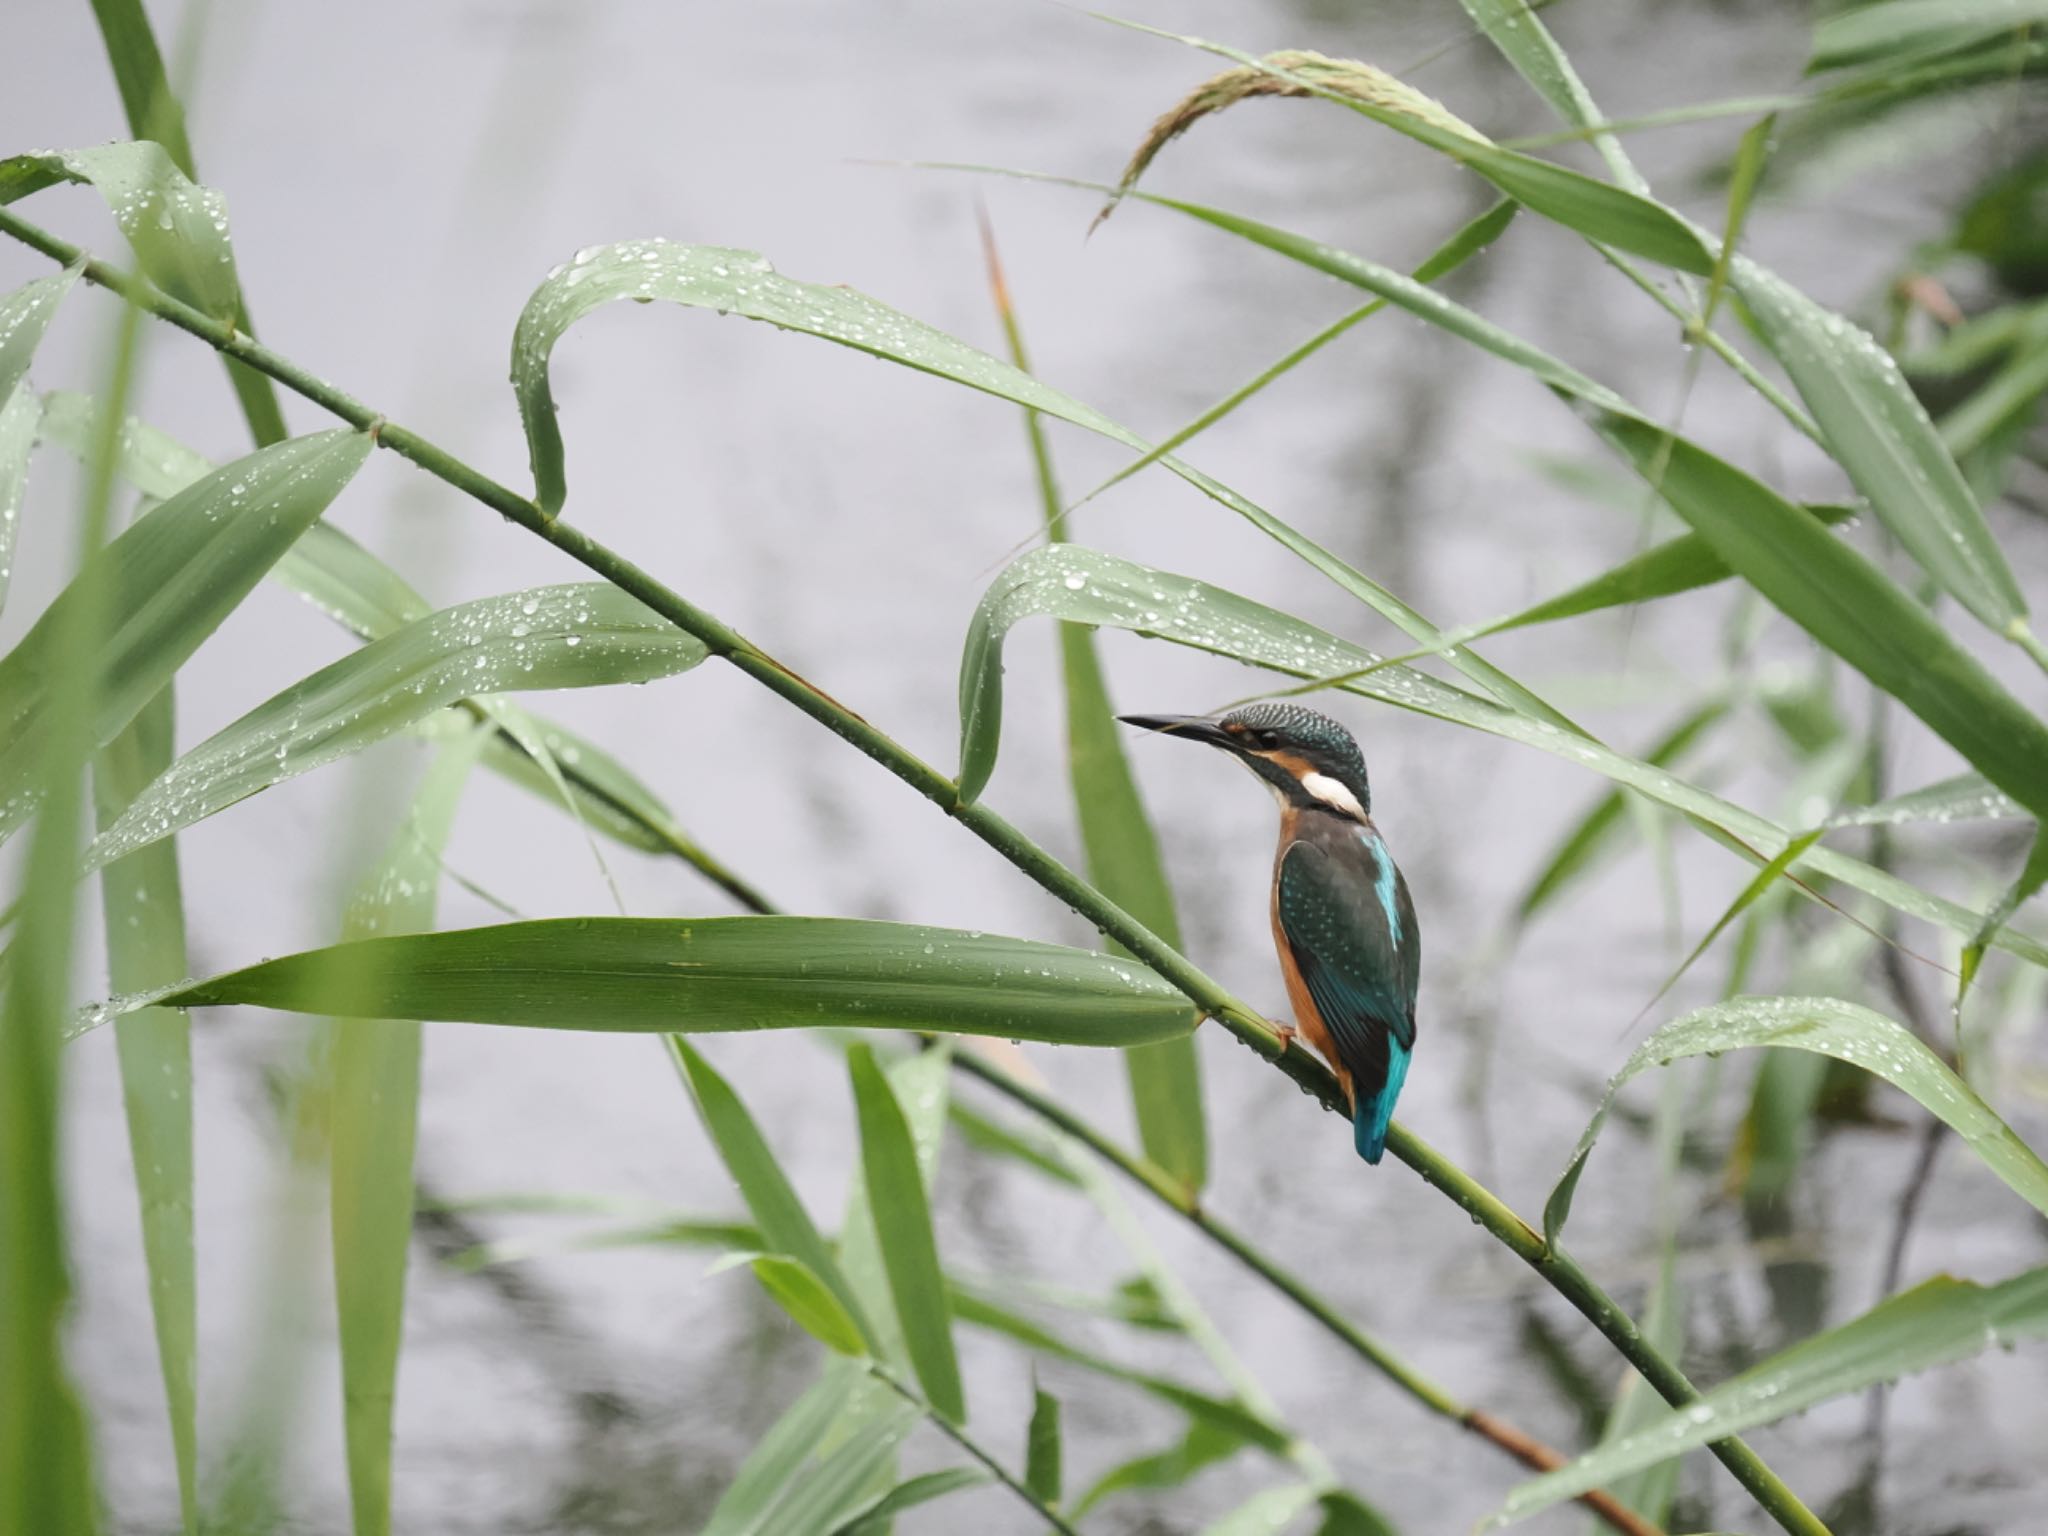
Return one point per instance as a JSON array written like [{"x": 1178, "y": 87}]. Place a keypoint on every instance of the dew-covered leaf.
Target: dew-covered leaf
[
  {"x": 584, "y": 635},
  {"x": 1966, "y": 797},
  {"x": 1829, "y": 1027},
  {"x": 742, "y": 283},
  {"x": 24, "y": 316},
  {"x": 1088, "y": 587},
  {"x": 19, "y": 413},
  {"x": 705, "y": 975},
  {"x": 1879, "y": 433},
  {"x": 170, "y": 578},
  {"x": 1937, "y": 1322},
  {"x": 178, "y": 229}
]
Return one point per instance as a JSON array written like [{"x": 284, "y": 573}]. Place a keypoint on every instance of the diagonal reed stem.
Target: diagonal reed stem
[
  {"x": 1556, "y": 1269},
  {"x": 960, "y": 1437}
]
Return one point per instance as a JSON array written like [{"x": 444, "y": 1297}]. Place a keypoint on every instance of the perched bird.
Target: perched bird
[{"x": 1342, "y": 920}]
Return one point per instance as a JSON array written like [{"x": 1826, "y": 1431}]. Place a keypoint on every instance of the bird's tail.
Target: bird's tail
[{"x": 1372, "y": 1113}]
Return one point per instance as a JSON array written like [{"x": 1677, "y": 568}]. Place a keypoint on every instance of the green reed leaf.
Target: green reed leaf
[
  {"x": 908, "y": 1245},
  {"x": 1042, "y": 1460},
  {"x": 796, "y": 1288},
  {"x": 144, "y": 908},
  {"x": 24, "y": 315},
  {"x": 908, "y": 1494},
  {"x": 584, "y": 635},
  {"x": 374, "y": 1128},
  {"x": 19, "y": 414},
  {"x": 720, "y": 974},
  {"x": 177, "y": 228},
  {"x": 776, "y": 1207},
  {"x": 171, "y": 578},
  {"x": 1088, "y": 587},
  {"x": 1937, "y": 1322},
  {"x": 1827, "y": 1027},
  {"x": 1899, "y": 30}
]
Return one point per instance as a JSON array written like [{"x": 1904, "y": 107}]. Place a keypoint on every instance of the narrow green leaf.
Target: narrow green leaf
[
  {"x": 371, "y": 600},
  {"x": 1043, "y": 1473},
  {"x": 374, "y": 1128},
  {"x": 909, "y": 1248},
  {"x": 1345, "y": 1514},
  {"x": 19, "y": 414},
  {"x": 708, "y": 975},
  {"x": 1086, "y": 586},
  {"x": 1524, "y": 41},
  {"x": 1116, "y": 833},
  {"x": 1758, "y": 885},
  {"x": 1966, "y": 797},
  {"x": 795, "y": 1287},
  {"x": 1892, "y": 30},
  {"x": 1850, "y": 606},
  {"x": 1743, "y": 178},
  {"x": 1937, "y": 1322},
  {"x": 1202, "y": 1446},
  {"x": 1827, "y": 1027},
  {"x": 171, "y": 578},
  {"x": 144, "y": 909},
  {"x": 990, "y": 1136},
  {"x": 584, "y": 635},
  {"x": 742, "y": 283},
  {"x": 825, "y": 1462},
  {"x": 1583, "y": 845},
  {"x": 177, "y": 228},
  {"x": 151, "y": 108},
  {"x": 24, "y": 316},
  {"x": 762, "y": 1183},
  {"x": 1879, "y": 433},
  {"x": 874, "y": 1520},
  {"x": 2032, "y": 876},
  {"x": 1683, "y": 564}
]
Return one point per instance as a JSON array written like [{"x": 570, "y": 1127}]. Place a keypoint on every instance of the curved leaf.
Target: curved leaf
[
  {"x": 584, "y": 635},
  {"x": 1088, "y": 587},
  {"x": 718, "y": 974},
  {"x": 908, "y": 1494},
  {"x": 903, "y": 1225},
  {"x": 1828, "y": 1027},
  {"x": 742, "y": 283},
  {"x": 170, "y": 578},
  {"x": 807, "y": 1299},
  {"x": 1937, "y": 1322},
  {"x": 178, "y": 229},
  {"x": 824, "y": 1462},
  {"x": 1966, "y": 797}
]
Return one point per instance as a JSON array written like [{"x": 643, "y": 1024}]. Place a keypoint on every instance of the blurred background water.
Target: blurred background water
[{"x": 401, "y": 176}]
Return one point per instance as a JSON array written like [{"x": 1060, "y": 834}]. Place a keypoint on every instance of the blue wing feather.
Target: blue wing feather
[{"x": 1348, "y": 921}]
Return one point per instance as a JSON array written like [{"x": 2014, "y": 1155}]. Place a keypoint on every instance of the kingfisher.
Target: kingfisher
[{"x": 1343, "y": 924}]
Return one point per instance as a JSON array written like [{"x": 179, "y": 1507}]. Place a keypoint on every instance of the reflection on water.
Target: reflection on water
[{"x": 400, "y": 178}]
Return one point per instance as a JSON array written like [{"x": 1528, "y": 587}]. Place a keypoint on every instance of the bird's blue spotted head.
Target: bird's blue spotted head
[{"x": 1309, "y": 759}]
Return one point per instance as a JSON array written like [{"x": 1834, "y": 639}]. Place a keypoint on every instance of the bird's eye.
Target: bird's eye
[{"x": 1266, "y": 739}]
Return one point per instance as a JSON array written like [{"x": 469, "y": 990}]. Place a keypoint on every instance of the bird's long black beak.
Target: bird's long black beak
[{"x": 1187, "y": 727}]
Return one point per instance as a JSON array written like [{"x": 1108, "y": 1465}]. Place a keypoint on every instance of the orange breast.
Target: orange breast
[{"x": 1306, "y": 1018}]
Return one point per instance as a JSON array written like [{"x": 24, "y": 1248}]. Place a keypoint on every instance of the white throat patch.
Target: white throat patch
[{"x": 1333, "y": 794}]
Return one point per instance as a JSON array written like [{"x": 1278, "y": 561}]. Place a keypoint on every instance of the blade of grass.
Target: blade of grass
[
  {"x": 20, "y": 413},
  {"x": 144, "y": 908},
  {"x": 1123, "y": 858},
  {"x": 1042, "y": 1471},
  {"x": 762, "y": 1183},
  {"x": 909, "y": 1248},
  {"x": 587, "y": 634},
  {"x": 170, "y": 579},
  {"x": 375, "y": 1124}
]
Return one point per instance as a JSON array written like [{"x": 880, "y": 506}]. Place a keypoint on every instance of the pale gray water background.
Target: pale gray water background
[{"x": 401, "y": 176}]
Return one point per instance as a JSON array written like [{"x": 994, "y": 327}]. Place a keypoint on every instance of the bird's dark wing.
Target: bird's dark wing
[{"x": 1345, "y": 911}]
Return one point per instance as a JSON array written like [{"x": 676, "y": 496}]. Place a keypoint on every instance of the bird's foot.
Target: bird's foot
[{"x": 1286, "y": 1033}]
